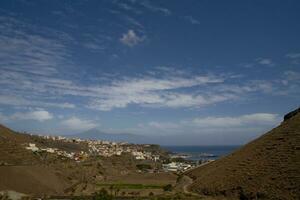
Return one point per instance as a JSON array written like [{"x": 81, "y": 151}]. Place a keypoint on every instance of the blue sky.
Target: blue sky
[{"x": 198, "y": 72}]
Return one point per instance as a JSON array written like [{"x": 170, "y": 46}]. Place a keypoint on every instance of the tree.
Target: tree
[{"x": 102, "y": 195}]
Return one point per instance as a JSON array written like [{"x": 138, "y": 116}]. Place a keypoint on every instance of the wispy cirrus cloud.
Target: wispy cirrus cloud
[
  {"x": 155, "y": 8},
  {"x": 154, "y": 92},
  {"x": 22, "y": 50},
  {"x": 148, "y": 5},
  {"x": 18, "y": 101},
  {"x": 32, "y": 63},
  {"x": 217, "y": 123},
  {"x": 29, "y": 59},
  {"x": 170, "y": 89}
]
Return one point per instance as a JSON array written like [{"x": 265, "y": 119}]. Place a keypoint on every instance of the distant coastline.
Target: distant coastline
[{"x": 201, "y": 152}]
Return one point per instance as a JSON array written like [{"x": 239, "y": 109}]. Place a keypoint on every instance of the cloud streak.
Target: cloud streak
[
  {"x": 239, "y": 121},
  {"x": 191, "y": 19}
]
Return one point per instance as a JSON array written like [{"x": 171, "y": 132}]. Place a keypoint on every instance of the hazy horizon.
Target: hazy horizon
[{"x": 193, "y": 73}]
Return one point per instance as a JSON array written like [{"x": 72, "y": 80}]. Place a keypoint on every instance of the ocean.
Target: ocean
[{"x": 201, "y": 152}]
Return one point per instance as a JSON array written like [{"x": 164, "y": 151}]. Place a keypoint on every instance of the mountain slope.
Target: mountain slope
[
  {"x": 267, "y": 168},
  {"x": 12, "y": 151},
  {"x": 32, "y": 179},
  {"x": 21, "y": 170}
]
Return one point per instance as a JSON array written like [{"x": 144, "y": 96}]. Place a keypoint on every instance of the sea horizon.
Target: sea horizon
[{"x": 202, "y": 152}]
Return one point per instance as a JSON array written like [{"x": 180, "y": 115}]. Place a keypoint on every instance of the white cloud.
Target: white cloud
[
  {"x": 20, "y": 101},
  {"x": 39, "y": 115},
  {"x": 35, "y": 53},
  {"x": 265, "y": 61},
  {"x": 155, "y": 92},
  {"x": 187, "y": 100},
  {"x": 209, "y": 130},
  {"x": 292, "y": 75},
  {"x": 77, "y": 124},
  {"x": 293, "y": 55},
  {"x": 32, "y": 78},
  {"x": 132, "y": 21},
  {"x": 154, "y": 8},
  {"x": 131, "y": 38},
  {"x": 29, "y": 59},
  {"x": 244, "y": 120},
  {"x": 162, "y": 88},
  {"x": 191, "y": 19},
  {"x": 212, "y": 124},
  {"x": 165, "y": 125}
]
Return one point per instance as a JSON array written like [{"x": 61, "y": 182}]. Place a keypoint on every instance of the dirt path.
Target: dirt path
[{"x": 187, "y": 181}]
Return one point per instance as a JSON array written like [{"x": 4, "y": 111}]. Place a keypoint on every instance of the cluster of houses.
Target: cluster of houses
[
  {"x": 177, "y": 167},
  {"x": 96, "y": 147},
  {"x": 77, "y": 156},
  {"x": 185, "y": 165},
  {"x": 107, "y": 149}
]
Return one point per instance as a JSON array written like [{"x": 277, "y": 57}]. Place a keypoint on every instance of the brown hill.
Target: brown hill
[
  {"x": 41, "y": 173},
  {"x": 12, "y": 150},
  {"x": 21, "y": 170},
  {"x": 266, "y": 168},
  {"x": 32, "y": 179}
]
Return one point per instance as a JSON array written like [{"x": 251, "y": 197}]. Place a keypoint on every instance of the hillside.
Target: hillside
[
  {"x": 266, "y": 168},
  {"x": 21, "y": 170},
  {"x": 12, "y": 150},
  {"x": 41, "y": 173}
]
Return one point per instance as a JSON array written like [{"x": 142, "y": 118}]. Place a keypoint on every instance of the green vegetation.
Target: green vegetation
[{"x": 143, "y": 167}]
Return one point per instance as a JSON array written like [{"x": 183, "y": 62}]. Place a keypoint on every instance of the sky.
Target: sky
[{"x": 198, "y": 72}]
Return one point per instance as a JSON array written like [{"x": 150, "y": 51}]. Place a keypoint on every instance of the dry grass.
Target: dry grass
[{"x": 267, "y": 168}]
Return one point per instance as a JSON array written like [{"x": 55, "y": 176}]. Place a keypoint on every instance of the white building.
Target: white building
[{"x": 32, "y": 147}]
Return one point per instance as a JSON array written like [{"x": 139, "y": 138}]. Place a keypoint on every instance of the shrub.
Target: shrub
[
  {"x": 143, "y": 166},
  {"x": 151, "y": 194},
  {"x": 168, "y": 187}
]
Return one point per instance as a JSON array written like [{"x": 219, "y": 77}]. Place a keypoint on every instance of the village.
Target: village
[
  {"x": 107, "y": 149},
  {"x": 95, "y": 147}
]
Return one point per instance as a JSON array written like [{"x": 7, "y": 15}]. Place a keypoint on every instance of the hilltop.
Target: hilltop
[{"x": 266, "y": 168}]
